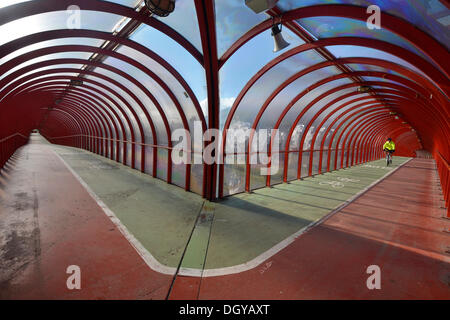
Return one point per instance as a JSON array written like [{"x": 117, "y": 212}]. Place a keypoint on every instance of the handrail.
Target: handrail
[
  {"x": 12, "y": 136},
  {"x": 444, "y": 160}
]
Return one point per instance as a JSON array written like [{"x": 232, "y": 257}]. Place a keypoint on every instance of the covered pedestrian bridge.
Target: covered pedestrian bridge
[{"x": 93, "y": 93}]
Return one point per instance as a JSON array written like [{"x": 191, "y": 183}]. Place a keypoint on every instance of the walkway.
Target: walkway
[{"x": 131, "y": 233}]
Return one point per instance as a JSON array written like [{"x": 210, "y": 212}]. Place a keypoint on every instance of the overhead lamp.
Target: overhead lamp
[
  {"x": 259, "y": 6},
  {"x": 279, "y": 42},
  {"x": 161, "y": 8},
  {"x": 364, "y": 89},
  {"x": 76, "y": 82}
]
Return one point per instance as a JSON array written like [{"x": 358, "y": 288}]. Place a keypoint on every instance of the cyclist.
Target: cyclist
[{"x": 389, "y": 148}]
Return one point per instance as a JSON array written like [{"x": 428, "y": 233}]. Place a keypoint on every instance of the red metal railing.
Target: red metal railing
[
  {"x": 9, "y": 145},
  {"x": 444, "y": 173}
]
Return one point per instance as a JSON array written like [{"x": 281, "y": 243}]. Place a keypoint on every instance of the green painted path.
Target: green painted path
[
  {"x": 246, "y": 225},
  {"x": 180, "y": 229}
]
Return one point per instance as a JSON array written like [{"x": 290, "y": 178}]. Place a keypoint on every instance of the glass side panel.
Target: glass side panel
[
  {"x": 334, "y": 110},
  {"x": 278, "y": 104},
  {"x": 179, "y": 174},
  {"x": 292, "y": 166},
  {"x": 305, "y": 102},
  {"x": 305, "y": 164},
  {"x": 181, "y": 60},
  {"x": 324, "y": 161},
  {"x": 163, "y": 157},
  {"x": 331, "y": 117}
]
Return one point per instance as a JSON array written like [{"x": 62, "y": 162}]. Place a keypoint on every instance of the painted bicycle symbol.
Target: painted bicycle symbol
[
  {"x": 338, "y": 184},
  {"x": 334, "y": 184},
  {"x": 347, "y": 179}
]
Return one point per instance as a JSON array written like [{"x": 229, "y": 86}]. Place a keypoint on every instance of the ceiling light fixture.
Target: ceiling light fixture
[
  {"x": 161, "y": 8},
  {"x": 259, "y": 6},
  {"x": 364, "y": 89},
  {"x": 76, "y": 82}
]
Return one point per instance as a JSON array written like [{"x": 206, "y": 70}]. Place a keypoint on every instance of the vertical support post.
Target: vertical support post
[{"x": 207, "y": 25}]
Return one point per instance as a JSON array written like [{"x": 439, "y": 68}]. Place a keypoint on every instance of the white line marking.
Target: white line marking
[
  {"x": 157, "y": 266},
  {"x": 140, "y": 249}
]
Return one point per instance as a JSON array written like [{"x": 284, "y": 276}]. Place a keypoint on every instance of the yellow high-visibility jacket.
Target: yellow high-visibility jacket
[{"x": 389, "y": 145}]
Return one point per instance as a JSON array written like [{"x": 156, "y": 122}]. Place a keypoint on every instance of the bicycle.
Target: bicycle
[{"x": 388, "y": 156}]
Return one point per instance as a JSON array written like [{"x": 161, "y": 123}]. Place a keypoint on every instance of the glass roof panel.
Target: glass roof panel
[
  {"x": 356, "y": 51},
  {"x": 378, "y": 79},
  {"x": 184, "y": 21},
  {"x": 233, "y": 19},
  {"x": 368, "y": 67},
  {"x": 51, "y": 43},
  {"x": 265, "y": 85},
  {"x": 6, "y": 3},
  {"x": 73, "y": 66},
  {"x": 91, "y": 20},
  {"x": 327, "y": 27},
  {"x": 428, "y": 15},
  {"x": 128, "y": 3},
  {"x": 244, "y": 63},
  {"x": 62, "y": 55}
]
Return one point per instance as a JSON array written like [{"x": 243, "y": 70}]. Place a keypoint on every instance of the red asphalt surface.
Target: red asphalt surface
[{"x": 396, "y": 225}]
